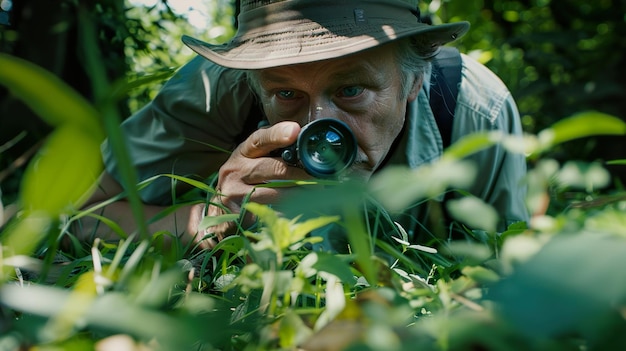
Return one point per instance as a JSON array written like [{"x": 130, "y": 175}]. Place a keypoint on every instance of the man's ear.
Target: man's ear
[{"x": 415, "y": 89}]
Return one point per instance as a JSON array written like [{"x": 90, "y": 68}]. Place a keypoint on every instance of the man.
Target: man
[{"x": 362, "y": 62}]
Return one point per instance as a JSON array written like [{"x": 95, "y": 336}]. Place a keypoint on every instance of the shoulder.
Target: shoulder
[
  {"x": 482, "y": 92},
  {"x": 202, "y": 72},
  {"x": 201, "y": 84}
]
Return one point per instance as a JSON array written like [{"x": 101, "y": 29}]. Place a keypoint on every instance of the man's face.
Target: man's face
[{"x": 363, "y": 90}]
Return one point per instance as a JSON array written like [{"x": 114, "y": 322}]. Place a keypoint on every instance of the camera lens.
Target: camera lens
[{"x": 326, "y": 147}]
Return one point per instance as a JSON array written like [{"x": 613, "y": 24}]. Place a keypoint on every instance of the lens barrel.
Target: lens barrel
[{"x": 325, "y": 148}]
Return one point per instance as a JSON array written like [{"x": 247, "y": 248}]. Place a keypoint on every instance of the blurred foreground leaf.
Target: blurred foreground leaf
[
  {"x": 570, "y": 287},
  {"x": 63, "y": 173},
  {"x": 397, "y": 187},
  {"x": 580, "y": 125},
  {"x": 474, "y": 212},
  {"x": 116, "y": 313}
]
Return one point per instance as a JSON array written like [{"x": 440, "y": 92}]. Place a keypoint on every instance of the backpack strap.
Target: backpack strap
[{"x": 444, "y": 88}]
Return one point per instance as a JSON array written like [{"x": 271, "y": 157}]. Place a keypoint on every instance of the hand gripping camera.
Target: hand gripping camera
[{"x": 324, "y": 148}]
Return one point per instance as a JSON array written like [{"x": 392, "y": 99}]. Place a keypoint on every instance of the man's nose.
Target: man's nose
[{"x": 321, "y": 108}]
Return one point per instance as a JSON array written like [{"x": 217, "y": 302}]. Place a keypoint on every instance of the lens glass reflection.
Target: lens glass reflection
[{"x": 326, "y": 147}]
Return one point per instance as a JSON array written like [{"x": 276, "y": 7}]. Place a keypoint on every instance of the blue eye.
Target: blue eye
[
  {"x": 286, "y": 94},
  {"x": 351, "y": 91}
]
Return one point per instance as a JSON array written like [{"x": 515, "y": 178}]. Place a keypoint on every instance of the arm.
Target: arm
[
  {"x": 183, "y": 223},
  {"x": 486, "y": 104},
  {"x": 247, "y": 167}
]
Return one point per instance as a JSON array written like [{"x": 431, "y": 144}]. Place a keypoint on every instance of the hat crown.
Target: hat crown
[{"x": 284, "y": 32}]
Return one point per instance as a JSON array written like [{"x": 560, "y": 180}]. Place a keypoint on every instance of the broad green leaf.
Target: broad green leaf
[
  {"x": 115, "y": 313},
  {"x": 588, "y": 176},
  {"x": 398, "y": 187},
  {"x": 474, "y": 212},
  {"x": 518, "y": 249},
  {"x": 326, "y": 198},
  {"x": 471, "y": 144},
  {"x": 610, "y": 220},
  {"x": 211, "y": 221},
  {"x": 329, "y": 263},
  {"x": 264, "y": 212},
  {"x": 48, "y": 96},
  {"x": 64, "y": 173},
  {"x": 574, "y": 284},
  {"x": 481, "y": 274},
  {"x": 300, "y": 230},
  {"x": 470, "y": 253},
  {"x": 580, "y": 125}
]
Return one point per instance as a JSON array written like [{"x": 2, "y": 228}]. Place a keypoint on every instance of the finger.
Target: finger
[
  {"x": 267, "y": 169},
  {"x": 263, "y": 141}
]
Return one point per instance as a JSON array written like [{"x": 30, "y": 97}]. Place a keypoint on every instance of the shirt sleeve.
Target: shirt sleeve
[
  {"x": 484, "y": 103},
  {"x": 199, "y": 115}
]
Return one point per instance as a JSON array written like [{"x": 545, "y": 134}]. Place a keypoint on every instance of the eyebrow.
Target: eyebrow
[
  {"x": 361, "y": 72},
  {"x": 358, "y": 73}
]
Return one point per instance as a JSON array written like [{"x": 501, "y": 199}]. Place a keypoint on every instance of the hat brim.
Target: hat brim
[{"x": 288, "y": 37}]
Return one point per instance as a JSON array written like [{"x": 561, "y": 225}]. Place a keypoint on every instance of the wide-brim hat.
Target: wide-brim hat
[{"x": 275, "y": 33}]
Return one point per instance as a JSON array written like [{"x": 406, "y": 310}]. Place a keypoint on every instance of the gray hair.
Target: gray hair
[{"x": 414, "y": 63}]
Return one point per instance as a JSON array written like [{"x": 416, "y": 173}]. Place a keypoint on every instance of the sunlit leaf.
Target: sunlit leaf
[
  {"x": 264, "y": 212},
  {"x": 610, "y": 220},
  {"x": 580, "y": 125},
  {"x": 335, "y": 301},
  {"x": 572, "y": 285},
  {"x": 300, "y": 230},
  {"x": 423, "y": 248},
  {"x": 325, "y": 198},
  {"x": 469, "y": 253},
  {"x": 64, "y": 173},
  {"x": 211, "y": 221},
  {"x": 474, "y": 212},
  {"x": 584, "y": 176},
  {"x": 471, "y": 144},
  {"x": 115, "y": 312},
  {"x": 334, "y": 265},
  {"x": 398, "y": 187},
  {"x": 481, "y": 274}
]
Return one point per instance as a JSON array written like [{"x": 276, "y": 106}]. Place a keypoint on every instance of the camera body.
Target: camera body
[{"x": 324, "y": 148}]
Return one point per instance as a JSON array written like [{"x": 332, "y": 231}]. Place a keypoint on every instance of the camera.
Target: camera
[{"x": 324, "y": 148}]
